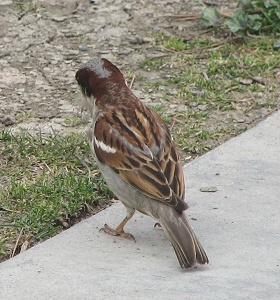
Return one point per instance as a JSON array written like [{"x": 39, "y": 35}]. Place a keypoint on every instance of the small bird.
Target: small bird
[{"x": 135, "y": 152}]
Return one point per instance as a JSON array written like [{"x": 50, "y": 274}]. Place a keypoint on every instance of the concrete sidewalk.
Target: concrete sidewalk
[{"x": 239, "y": 227}]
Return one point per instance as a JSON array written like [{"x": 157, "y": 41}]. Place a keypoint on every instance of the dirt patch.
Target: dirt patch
[{"x": 44, "y": 42}]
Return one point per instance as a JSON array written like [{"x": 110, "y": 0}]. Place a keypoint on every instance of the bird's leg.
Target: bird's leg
[{"x": 120, "y": 229}]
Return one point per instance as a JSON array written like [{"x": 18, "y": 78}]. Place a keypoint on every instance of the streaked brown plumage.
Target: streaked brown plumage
[{"x": 137, "y": 157}]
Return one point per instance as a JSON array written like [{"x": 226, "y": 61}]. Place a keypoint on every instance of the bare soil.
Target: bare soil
[{"x": 42, "y": 44}]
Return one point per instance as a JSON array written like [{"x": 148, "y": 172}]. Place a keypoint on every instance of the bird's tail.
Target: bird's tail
[{"x": 183, "y": 239}]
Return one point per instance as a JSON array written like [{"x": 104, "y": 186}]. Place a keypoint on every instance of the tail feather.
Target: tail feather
[{"x": 183, "y": 239}]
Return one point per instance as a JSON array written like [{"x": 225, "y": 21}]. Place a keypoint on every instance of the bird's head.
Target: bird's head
[{"x": 97, "y": 77}]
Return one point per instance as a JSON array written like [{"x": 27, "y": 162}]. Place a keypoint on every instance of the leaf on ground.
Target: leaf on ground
[
  {"x": 211, "y": 17},
  {"x": 276, "y": 44},
  {"x": 255, "y": 22},
  {"x": 246, "y": 4},
  {"x": 238, "y": 22}
]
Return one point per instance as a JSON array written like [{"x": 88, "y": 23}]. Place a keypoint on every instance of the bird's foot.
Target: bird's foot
[{"x": 118, "y": 232}]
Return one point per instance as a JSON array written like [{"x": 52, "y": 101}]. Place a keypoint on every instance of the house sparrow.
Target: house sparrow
[{"x": 137, "y": 157}]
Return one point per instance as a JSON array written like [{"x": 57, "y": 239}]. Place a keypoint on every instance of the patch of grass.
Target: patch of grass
[
  {"x": 47, "y": 182},
  {"x": 196, "y": 138},
  {"x": 84, "y": 38},
  {"x": 161, "y": 110},
  {"x": 220, "y": 92},
  {"x": 171, "y": 43},
  {"x": 155, "y": 84},
  {"x": 2, "y": 247},
  {"x": 23, "y": 116},
  {"x": 73, "y": 122},
  {"x": 178, "y": 44},
  {"x": 26, "y": 5},
  {"x": 151, "y": 64}
]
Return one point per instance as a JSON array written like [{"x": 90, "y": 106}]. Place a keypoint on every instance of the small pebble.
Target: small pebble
[
  {"x": 83, "y": 48},
  {"x": 208, "y": 189},
  {"x": 202, "y": 107}
]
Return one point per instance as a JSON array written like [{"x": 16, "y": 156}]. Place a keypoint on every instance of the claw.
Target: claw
[
  {"x": 157, "y": 225},
  {"x": 116, "y": 232}
]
